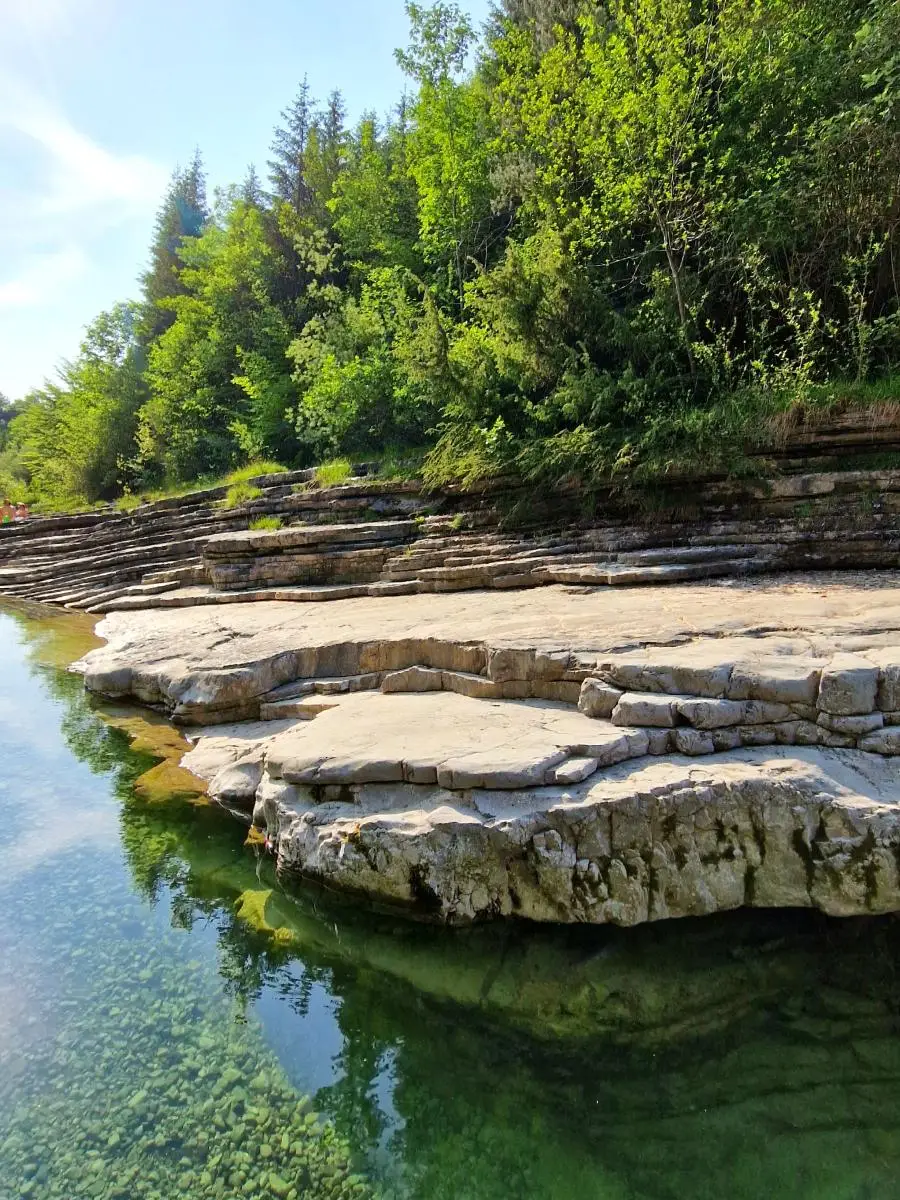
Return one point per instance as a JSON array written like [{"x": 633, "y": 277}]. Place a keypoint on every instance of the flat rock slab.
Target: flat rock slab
[
  {"x": 441, "y": 738},
  {"x": 645, "y": 841},
  {"x": 204, "y": 660}
]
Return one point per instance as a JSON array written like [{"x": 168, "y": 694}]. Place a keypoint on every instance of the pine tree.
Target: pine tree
[
  {"x": 183, "y": 214},
  {"x": 251, "y": 189},
  {"x": 287, "y": 166}
]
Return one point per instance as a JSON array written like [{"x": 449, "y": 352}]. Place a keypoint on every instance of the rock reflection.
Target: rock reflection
[{"x": 751, "y": 1056}]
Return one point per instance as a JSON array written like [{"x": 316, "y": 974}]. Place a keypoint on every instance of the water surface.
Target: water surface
[{"x": 173, "y": 1025}]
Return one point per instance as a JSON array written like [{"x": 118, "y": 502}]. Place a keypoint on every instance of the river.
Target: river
[{"x": 173, "y": 1025}]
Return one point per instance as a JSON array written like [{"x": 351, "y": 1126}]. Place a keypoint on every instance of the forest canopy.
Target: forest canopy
[{"x": 590, "y": 241}]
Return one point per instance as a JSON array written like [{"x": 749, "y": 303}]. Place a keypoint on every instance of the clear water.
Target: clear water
[{"x": 172, "y": 1025}]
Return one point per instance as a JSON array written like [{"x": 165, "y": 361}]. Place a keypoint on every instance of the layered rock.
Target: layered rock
[
  {"x": 375, "y": 538},
  {"x": 553, "y": 756}
]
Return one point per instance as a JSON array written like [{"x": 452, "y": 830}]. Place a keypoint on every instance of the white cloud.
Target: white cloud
[
  {"x": 42, "y": 276},
  {"x": 61, "y": 194},
  {"x": 78, "y": 173}
]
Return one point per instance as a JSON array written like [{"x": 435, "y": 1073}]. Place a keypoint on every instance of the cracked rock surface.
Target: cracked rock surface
[{"x": 579, "y": 757}]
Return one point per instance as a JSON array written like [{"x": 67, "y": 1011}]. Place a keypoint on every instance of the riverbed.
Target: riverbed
[{"x": 172, "y": 1024}]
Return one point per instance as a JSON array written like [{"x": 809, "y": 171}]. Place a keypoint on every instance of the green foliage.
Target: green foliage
[
  {"x": 614, "y": 243},
  {"x": 261, "y": 523}
]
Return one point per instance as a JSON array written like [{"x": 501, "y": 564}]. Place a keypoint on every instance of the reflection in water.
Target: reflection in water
[{"x": 165, "y": 1011}]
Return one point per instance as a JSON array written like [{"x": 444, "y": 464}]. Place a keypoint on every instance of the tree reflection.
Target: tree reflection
[{"x": 747, "y": 1055}]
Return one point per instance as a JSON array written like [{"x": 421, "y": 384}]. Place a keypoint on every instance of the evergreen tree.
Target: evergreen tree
[
  {"x": 183, "y": 214},
  {"x": 287, "y": 166},
  {"x": 251, "y": 190},
  {"x": 542, "y": 17}
]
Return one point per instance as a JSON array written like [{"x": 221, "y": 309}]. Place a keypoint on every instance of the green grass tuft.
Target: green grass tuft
[
  {"x": 262, "y": 523},
  {"x": 241, "y": 493},
  {"x": 253, "y": 470},
  {"x": 330, "y": 474}
]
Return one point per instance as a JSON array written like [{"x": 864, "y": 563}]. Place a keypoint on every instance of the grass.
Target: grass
[
  {"x": 128, "y": 502},
  {"x": 330, "y": 474},
  {"x": 262, "y": 523},
  {"x": 252, "y": 470},
  {"x": 241, "y": 493},
  {"x": 399, "y": 464},
  {"x": 173, "y": 491}
]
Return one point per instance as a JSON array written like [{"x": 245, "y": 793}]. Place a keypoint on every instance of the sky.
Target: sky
[{"x": 101, "y": 99}]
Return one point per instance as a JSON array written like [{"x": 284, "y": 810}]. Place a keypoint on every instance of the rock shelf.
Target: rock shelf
[
  {"x": 369, "y": 538},
  {"x": 608, "y": 719},
  {"x": 580, "y": 756}
]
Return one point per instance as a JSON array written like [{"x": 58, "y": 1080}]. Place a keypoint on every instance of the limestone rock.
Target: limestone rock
[
  {"x": 885, "y": 741},
  {"x": 848, "y": 686},
  {"x": 634, "y": 708},
  {"x": 598, "y": 699},
  {"x": 852, "y": 726},
  {"x": 693, "y": 742}
]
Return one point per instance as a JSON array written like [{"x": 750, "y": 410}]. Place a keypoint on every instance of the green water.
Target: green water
[{"x": 172, "y": 1025}]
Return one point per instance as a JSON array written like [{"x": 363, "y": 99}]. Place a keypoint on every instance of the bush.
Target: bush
[{"x": 262, "y": 523}]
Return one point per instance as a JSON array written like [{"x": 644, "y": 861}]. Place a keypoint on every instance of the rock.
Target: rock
[
  {"x": 778, "y": 683},
  {"x": 573, "y": 770},
  {"x": 516, "y": 854},
  {"x": 598, "y": 699},
  {"x": 657, "y": 741},
  {"x": 494, "y": 796},
  {"x": 885, "y": 741},
  {"x": 848, "y": 686},
  {"x": 636, "y": 709},
  {"x": 719, "y": 714},
  {"x": 413, "y": 679},
  {"x": 692, "y": 742},
  {"x": 852, "y": 726},
  {"x": 888, "y": 681},
  {"x": 711, "y": 714},
  {"x": 726, "y": 739},
  {"x": 758, "y": 735}
]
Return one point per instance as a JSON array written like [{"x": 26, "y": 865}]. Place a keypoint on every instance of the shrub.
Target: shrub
[{"x": 261, "y": 523}]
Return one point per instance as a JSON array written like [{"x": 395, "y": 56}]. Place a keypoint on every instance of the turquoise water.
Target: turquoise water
[{"x": 172, "y": 1025}]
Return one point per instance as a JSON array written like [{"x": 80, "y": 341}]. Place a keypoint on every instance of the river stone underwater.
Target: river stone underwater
[{"x": 172, "y": 1025}]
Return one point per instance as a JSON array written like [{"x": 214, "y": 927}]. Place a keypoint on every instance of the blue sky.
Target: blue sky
[{"x": 99, "y": 99}]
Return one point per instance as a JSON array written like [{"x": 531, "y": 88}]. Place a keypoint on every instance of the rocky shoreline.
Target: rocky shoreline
[{"x": 555, "y": 756}]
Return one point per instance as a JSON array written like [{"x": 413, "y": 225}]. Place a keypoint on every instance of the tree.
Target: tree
[
  {"x": 287, "y": 166},
  {"x": 448, "y": 156},
  {"x": 183, "y": 214},
  {"x": 75, "y": 436},
  {"x": 251, "y": 190},
  {"x": 375, "y": 202},
  {"x": 220, "y": 382}
]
